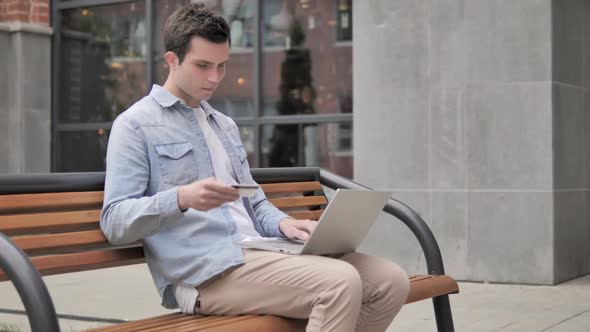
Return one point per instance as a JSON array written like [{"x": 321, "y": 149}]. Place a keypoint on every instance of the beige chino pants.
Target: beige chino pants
[{"x": 353, "y": 292}]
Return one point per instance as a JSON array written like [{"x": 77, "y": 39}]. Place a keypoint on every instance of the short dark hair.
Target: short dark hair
[{"x": 190, "y": 21}]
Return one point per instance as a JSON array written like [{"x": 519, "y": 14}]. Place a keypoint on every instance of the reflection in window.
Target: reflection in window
[
  {"x": 343, "y": 20},
  {"x": 240, "y": 17},
  {"x": 305, "y": 71},
  {"x": 83, "y": 151},
  {"x": 327, "y": 145},
  {"x": 249, "y": 140},
  {"x": 102, "y": 61},
  {"x": 280, "y": 146}
]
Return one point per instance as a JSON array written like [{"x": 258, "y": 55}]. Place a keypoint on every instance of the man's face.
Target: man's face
[{"x": 202, "y": 69}]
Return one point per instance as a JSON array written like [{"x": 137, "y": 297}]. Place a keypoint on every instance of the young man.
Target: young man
[{"x": 171, "y": 160}]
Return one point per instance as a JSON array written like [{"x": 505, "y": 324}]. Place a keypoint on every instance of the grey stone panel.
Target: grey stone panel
[
  {"x": 391, "y": 42},
  {"x": 391, "y": 239},
  {"x": 36, "y": 102},
  {"x": 571, "y": 235},
  {"x": 390, "y": 73},
  {"x": 508, "y": 41},
  {"x": 36, "y": 141},
  {"x": 391, "y": 138},
  {"x": 36, "y": 75},
  {"x": 6, "y": 70},
  {"x": 14, "y": 135},
  {"x": 587, "y": 139},
  {"x": 447, "y": 138},
  {"x": 568, "y": 41},
  {"x": 568, "y": 137},
  {"x": 508, "y": 138},
  {"x": 26, "y": 117},
  {"x": 586, "y": 42},
  {"x": 510, "y": 237},
  {"x": 587, "y": 222},
  {"x": 6, "y": 98},
  {"x": 447, "y": 56},
  {"x": 448, "y": 223}
]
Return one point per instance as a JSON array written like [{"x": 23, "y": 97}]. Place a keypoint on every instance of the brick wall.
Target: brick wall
[{"x": 25, "y": 11}]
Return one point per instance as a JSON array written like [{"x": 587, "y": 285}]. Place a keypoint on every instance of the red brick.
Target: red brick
[
  {"x": 18, "y": 7},
  {"x": 17, "y": 17},
  {"x": 39, "y": 10},
  {"x": 29, "y": 11}
]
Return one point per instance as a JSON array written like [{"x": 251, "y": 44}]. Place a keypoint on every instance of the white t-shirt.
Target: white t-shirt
[{"x": 224, "y": 172}]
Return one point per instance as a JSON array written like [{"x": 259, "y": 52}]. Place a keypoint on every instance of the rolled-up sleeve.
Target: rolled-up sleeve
[
  {"x": 268, "y": 215},
  {"x": 127, "y": 214}
]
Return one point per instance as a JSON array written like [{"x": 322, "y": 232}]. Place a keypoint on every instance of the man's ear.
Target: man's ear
[{"x": 171, "y": 60}]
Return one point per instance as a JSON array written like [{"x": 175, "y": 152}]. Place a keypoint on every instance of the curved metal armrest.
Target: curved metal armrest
[
  {"x": 29, "y": 285},
  {"x": 404, "y": 213}
]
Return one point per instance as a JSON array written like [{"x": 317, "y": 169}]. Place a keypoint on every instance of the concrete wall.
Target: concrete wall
[
  {"x": 464, "y": 129},
  {"x": 571, "y": 138},
  {"x": 25, "y": 98}
]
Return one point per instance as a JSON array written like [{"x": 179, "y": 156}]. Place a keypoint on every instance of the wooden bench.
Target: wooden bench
[{"x": 54, "y": 219}]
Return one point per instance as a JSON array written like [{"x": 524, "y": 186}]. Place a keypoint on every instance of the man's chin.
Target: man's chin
[{"x": 206, "y": 95}]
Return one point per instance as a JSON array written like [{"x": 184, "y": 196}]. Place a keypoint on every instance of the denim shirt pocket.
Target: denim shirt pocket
[{"x": 176, "y": 162}]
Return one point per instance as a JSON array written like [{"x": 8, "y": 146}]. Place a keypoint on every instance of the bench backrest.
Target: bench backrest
[{"x": 60, "y": 231}]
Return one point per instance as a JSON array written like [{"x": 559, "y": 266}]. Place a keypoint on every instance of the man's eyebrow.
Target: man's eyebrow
[{"x": 207, "y": 62}]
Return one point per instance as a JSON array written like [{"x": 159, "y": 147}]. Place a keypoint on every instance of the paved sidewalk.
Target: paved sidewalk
[{"x": 94, "y": 298}]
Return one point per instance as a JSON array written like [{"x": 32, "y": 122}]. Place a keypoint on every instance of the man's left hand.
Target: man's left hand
[{"x": 297, "y": 228}]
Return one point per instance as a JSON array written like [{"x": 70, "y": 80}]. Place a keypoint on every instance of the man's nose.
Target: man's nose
[{"x": 214, "y": 76}]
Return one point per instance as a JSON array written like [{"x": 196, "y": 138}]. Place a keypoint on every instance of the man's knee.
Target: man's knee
[
  {"x": 394, "y": 281},
  {"x": 345, "y": 280}
]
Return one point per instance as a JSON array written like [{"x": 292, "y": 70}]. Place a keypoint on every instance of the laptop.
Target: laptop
[{"x": 341, "y": 228}]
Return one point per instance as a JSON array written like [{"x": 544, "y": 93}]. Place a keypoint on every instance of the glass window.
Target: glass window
[
  {"x": 247, "y": 134},
  {"x": 102, "y": 63},
  {"x": 83, "y": 151},
  {"x": 234, "y": 97},
  {"x": 327, "y": 145},
  {"x": 305, "y": 71}
]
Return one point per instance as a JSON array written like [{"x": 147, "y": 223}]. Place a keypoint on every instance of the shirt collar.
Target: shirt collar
[{"x": 166, "y": 99}]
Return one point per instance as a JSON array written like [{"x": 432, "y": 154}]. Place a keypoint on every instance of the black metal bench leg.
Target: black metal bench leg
[{"x": 442, "y": 312}]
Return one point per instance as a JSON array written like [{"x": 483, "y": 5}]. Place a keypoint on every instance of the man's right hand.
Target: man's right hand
[{"x": 206, "y": 194}]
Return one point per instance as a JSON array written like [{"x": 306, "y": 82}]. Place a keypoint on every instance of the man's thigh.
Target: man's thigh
[{"x": 271, "y": 283}]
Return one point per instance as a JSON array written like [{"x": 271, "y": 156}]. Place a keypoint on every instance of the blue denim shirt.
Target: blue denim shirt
[{"x": 154, "y": 147}]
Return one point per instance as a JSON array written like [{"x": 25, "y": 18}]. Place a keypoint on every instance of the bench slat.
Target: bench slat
[
  {"x": 65, "y": 263},
  {"x": 301, "y": 201},
  {"x": 57, "y": 241},
  {"x": 313, "y": 215},
  {"x": 291, "y": 187},
  {"x": 177, "y": 327},
  {"x": 33, "y": 202},
  {"x": 180, "y": 322},
  {"x": 48, "y": 222},
  {"x": 140, "y": 325}
]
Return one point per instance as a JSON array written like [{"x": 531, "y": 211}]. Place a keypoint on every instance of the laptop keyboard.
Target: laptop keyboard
[{"x": 281, "y": 244}]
